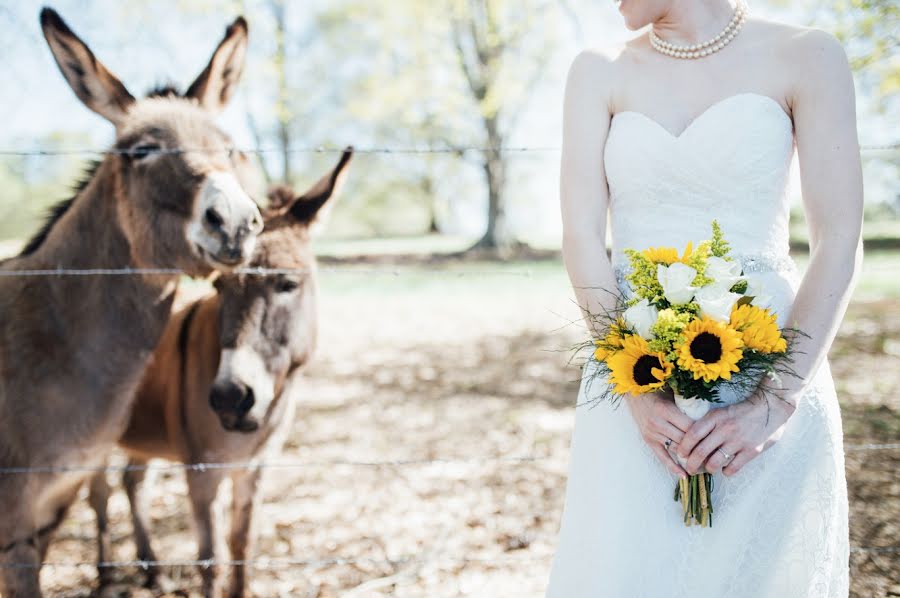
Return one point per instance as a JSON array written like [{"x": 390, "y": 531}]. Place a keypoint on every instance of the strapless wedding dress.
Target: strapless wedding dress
[{"x": 780, "y": 527}]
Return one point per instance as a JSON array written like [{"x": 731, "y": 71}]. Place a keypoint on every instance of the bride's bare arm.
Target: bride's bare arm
[
  {"x": 824, "y": 109},
  {"x": 584, "y": 195},
  {"x": 824, "y": 114},
  {"x": 584, "y": 198}
]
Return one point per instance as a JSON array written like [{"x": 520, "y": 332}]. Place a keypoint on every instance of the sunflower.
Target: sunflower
[
  {"x": 661, "y": 255},
  {"x": 758, "y": 328},
  {"x": 612, "y": 342},
  {"x": 710, "y": 350},
  {"x": 667, "y": 255},
  {"x": 635, "y": 369}
]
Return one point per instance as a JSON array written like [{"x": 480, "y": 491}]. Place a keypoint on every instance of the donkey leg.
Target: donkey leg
[
  {"x": 245, "y": 500},
  {"x": 20, "y": 568},
  {"x": 203, "y": 487},
  {"x": 133, "y": 480},
  {"x": 98, "y": 498}
]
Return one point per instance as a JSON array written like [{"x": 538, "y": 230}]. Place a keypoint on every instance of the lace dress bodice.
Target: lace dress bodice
[{"x": 731, "y": 163}]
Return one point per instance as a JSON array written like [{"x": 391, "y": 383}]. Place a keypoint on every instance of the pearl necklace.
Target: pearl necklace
[{"x": 706, "y": 48}]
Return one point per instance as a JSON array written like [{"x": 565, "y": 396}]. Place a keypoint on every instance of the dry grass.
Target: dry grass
[{"x": 424, "y": 367}]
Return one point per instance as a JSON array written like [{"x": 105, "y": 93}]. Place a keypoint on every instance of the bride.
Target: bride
[{"x": 697, "y": 119}]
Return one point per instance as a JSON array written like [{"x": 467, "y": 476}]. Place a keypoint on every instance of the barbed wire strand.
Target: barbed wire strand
[
  {"x": 238, "y": 465},
  {"x": 272, "y": 563},
  {"x": 348, "y": 269},
  {"x": 291, "y": 150},
  {"x": 462, "y": 149}
]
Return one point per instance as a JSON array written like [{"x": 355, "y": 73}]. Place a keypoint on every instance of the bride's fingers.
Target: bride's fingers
[
  {"x": 740, "y": 459},
  {"x": 719, "y": 458},
  {"x": 704, "y": 450},
  {"x": 669, "y": 431},
  {"x": 697, "y": 432},
  {"x": 679, "y": 419},
  {"x": 663, "y": 455}
]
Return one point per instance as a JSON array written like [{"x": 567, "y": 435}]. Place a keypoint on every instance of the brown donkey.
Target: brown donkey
[
  {"x": 219, "y": 386},
  {"x": 73, "y": 348}
]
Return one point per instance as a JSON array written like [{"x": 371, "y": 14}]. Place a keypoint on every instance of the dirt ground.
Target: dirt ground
[{"x": 470, "y": 368}]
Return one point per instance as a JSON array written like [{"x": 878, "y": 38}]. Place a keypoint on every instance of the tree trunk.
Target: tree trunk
[
  {"x": 429, "y": 192},
  {"x": 496, "y": 236}
]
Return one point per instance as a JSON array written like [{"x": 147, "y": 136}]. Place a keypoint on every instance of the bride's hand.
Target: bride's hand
[
  {"x": 724, "y": 440},
  {"x": 659, "y": 420}
]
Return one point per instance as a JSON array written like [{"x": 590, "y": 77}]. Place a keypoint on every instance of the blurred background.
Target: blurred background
[{"x": 446, "y": 312}]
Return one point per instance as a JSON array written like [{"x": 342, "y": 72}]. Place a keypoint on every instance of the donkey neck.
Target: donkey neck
[{"x": 98, "y": 309}]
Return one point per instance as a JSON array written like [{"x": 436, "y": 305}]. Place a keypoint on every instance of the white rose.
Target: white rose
[
  {"x": 716, "y": 302},
  {"x": 723, "y": 272},
  {"x": 641, "y": 316},
  {"x": 756, "y": 289},
  {"x": 676, "y": 282}
]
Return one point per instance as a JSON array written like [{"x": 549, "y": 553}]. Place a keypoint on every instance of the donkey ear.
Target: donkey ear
[
  {"x": 216, "y": 84},
  {"x": 94, "y": 85},
  {"x": 307, "y": 206}
]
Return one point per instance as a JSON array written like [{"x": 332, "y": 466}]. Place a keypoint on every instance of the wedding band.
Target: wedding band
[{"x": 726, "y": 455}]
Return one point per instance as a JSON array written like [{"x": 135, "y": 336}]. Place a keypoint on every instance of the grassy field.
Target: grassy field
[{"x": 467, "y": 362}]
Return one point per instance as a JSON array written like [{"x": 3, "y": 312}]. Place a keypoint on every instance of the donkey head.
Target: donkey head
[
  {"x": 267, "y": 324},
  {"x": 178, "y": 182}
]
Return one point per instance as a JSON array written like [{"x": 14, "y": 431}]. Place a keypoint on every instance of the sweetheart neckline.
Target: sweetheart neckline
[{"x": 699, "y": 117}]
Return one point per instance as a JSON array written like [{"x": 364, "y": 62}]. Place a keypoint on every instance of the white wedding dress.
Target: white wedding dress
[{"x": 780, "y": 525}]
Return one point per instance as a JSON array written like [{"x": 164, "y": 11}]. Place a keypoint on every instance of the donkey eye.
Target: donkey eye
[
  {"x": 143, "y": 150},
  {"x": 286, "y": 285}
]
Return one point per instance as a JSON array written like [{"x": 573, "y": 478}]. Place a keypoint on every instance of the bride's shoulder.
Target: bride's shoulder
[
  {"x": 598, "y": 65},
  {"x": 798, "y": 45},
  {"x": 812, "y": 60}
]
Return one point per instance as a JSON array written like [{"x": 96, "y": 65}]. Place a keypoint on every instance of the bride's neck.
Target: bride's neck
[{"x": 692, "y": 21}]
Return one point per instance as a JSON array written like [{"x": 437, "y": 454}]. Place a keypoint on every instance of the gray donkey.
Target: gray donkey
[
  {"x": 218, "y": 388},
  {"x": 73, "y": 348}
]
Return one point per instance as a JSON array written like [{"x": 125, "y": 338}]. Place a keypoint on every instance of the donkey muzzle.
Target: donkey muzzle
[
  {"x": 232, "y": 402},
  {"x": 226, "y": 222}
]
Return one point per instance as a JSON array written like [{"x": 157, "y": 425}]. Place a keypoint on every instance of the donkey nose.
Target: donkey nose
[
  {"x": 213, "y": 219},
  {"x": 232, "y": 397}
]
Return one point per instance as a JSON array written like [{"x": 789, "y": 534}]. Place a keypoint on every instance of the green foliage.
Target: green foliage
[{"x": 868, "y": 29}]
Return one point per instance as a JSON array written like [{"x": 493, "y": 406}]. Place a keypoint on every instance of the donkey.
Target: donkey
[
  {"x": 219, "y": 386},
  {"x": 73, "y": 348}
]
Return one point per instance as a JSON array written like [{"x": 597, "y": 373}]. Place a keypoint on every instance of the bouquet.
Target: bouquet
[{"x": 693, "y": 322}]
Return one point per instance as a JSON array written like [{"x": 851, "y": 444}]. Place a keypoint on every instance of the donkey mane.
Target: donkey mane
[
  {"x": 58, "y": 210},
  {"x": 165, "y": 90}
]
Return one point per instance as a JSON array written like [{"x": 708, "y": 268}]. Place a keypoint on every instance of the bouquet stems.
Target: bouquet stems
[{"x": 695, "y": 492}]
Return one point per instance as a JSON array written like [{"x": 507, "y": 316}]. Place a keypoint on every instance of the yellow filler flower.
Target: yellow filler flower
[
  {"x": 758, "y": 328},
  {"x": 635, "y": 369},
  {"x": 710, "y": 350}
]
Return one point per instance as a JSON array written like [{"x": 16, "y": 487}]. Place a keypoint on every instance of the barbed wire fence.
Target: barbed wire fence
[
  {"x": 313, "y": 562},
  {"x": 324, "y": 149}
]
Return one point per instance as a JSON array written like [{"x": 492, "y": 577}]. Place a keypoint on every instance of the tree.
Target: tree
[
  {"x": 447, "y": 74},
  {"x": 488, "y": 36},
  {"x": 868, "y": 29}
]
